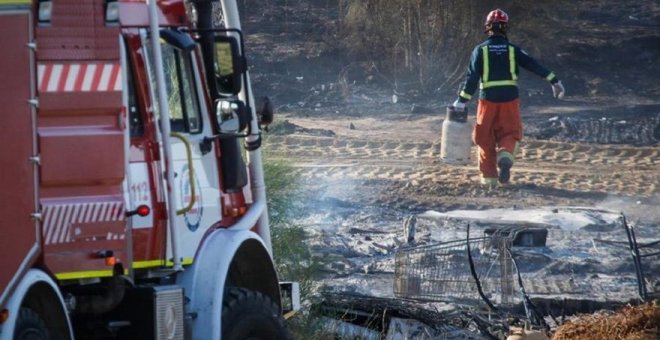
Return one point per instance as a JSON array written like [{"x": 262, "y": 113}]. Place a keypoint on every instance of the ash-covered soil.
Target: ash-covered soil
[
  {"x": 368, "y": 156},
  {"x": 605, "y": 52}
]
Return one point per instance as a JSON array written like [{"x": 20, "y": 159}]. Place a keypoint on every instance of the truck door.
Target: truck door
[
  {"x": 196, "y": 179},
  {"x": 19, "y": 243}
]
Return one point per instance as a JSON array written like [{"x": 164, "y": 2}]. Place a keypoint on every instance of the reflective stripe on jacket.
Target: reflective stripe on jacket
[
  {"x": 486, "y": 81},
  {"x": 494, "y": 69}
]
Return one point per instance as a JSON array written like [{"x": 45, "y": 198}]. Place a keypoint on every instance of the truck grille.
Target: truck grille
[{"x": 168, "y": 313}]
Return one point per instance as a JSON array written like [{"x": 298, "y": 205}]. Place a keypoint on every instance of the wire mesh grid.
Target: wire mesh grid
[{"x": 441, "y": 272}]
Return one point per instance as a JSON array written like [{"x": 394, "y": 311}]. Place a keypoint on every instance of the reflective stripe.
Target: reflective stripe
[
  {"x": 148, "y": 264},
  {"x": 15, "y": 2},
  {"x": 506, "y": 154},
  {"x": 486, "y": 70},
  {"x": 159, "y": 263},
  {"x": 77, "y": 77},
  {"x": 551, "y": 76},
  {"x": 498, "y": 83},
  {"x": 488, "y": 181},
  {"x": 464, "y": 95},
  {"x": 89, "y": 274},
  {"x": 512, "y": 63}
]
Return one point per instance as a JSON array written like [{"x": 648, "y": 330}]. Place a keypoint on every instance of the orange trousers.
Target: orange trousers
[{"x": 497, "y": 133}]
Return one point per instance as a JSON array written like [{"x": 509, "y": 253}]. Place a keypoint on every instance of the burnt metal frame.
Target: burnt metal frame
[{"x": 637, "y": 257}]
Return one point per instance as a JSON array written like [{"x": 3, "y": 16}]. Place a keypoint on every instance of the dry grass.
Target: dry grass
[
  {"x": 630, "y": 323},
  {"x": 418, "y": 41},
  {"x": 427, "y": 43}
]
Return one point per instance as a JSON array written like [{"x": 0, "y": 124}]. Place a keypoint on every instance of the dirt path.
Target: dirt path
[{"x": 394, "y": 163}]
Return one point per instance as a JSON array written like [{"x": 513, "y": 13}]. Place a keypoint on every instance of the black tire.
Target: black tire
[
  {"x": 247, "y": 314},
  {"x": 30, "y": 326}
]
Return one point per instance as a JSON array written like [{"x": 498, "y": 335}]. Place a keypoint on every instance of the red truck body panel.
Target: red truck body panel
[
  {"x": 19, "y": 240},
  {"x": 78, "y": 32},
  {"x": 81, "y": 143}
]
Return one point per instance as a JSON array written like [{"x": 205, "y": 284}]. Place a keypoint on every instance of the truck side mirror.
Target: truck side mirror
[
  {"x": 232, "y": 115},
  {"x": 229, "y": 65}
]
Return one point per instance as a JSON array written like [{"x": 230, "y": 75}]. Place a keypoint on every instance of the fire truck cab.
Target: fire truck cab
[{"x": 133, "y": 202}]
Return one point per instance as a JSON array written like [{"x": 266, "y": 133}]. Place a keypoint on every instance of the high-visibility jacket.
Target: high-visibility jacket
[{"x": 494, "y": 69}]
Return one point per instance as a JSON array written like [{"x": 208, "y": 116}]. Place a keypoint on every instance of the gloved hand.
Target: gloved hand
[
  {"x": 458, "y": 105},
  {"x": 558, "y": 90}
]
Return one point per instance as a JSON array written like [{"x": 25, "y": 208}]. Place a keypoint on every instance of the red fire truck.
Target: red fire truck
[{"x": 133, "y": 200}]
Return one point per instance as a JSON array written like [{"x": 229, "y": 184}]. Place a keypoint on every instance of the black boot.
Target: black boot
[{"x": 505, "y": 169}]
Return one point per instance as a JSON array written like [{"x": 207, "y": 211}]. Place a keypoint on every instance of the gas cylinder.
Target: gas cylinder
[{"x": 456, "y": 142}]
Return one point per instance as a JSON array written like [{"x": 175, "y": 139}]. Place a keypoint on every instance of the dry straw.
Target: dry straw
[{"x": 630, "y": 323}]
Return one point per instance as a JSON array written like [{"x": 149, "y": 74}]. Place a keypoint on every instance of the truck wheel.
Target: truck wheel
[
  {"x": 247, "y": 314},
  {"x": 30, "y": 326}
]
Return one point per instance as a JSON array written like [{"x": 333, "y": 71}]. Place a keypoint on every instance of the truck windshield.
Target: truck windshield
[{"x": 185, "y": 115}]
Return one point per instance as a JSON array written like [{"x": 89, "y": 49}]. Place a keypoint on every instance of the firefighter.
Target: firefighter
[{"x": 494, "y": 68}]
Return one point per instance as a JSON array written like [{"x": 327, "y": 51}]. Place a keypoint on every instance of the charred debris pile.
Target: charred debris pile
[{"x": 504, "y": 278}]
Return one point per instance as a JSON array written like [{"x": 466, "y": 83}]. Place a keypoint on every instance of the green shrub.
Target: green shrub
[{"x": 293, "y": 257}]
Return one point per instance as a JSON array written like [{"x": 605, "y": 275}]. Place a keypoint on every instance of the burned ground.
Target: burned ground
[
  {"x": 598, "y": 144},
  {"x": 366, "y": 152}
]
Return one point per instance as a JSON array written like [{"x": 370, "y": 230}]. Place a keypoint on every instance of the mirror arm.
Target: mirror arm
[
  {"x": 226, "y": 136},
  {"x": 208, "y": 140},
  {"x": 251, "y": 146},
  {"x": 205, "y": 144}
]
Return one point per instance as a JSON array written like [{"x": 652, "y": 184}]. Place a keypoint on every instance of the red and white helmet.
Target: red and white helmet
[{"x": 497, "y": 16}]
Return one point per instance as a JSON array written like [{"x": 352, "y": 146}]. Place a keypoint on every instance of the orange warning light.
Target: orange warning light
[{"x": 110, "y": 261}]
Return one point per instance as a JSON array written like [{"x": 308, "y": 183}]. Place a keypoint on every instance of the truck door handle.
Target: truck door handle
[{"x": 191, "y": 175}]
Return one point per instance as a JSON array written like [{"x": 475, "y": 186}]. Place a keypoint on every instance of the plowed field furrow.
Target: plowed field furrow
[
  {"x": 394, "y": 173},
  {"x": 645, "y": 185},
  {"x": 531, "y": 151}
]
